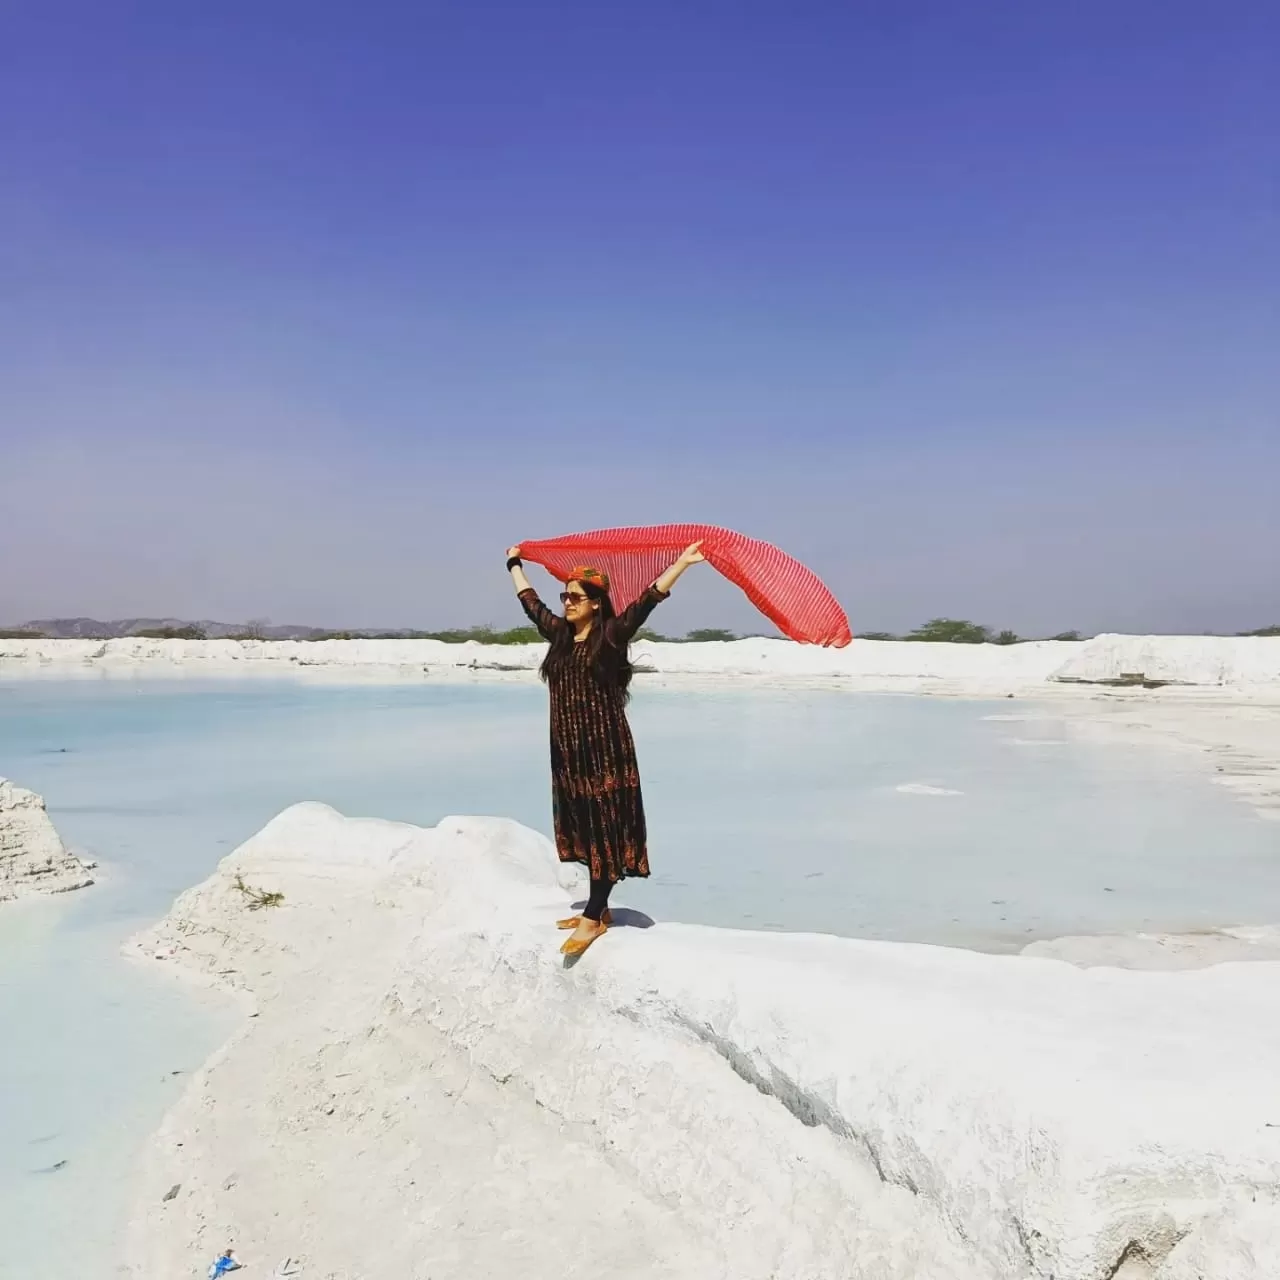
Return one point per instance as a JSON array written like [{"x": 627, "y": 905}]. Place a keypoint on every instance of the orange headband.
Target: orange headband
[{"x": 589, "y": 577}]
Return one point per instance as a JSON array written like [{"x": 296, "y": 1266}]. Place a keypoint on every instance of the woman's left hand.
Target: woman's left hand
[{"x": 692, "y": 554}]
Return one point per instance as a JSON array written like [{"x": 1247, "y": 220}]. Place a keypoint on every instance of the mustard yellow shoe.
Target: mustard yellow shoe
[
  {"x": 572, "y": 922},
  {"x": 574, "y": 947}
]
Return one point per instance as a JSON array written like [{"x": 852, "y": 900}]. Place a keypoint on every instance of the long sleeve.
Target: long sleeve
[
  {"x": 541, "y": 617},
  {"x": 633, "y": 617}
]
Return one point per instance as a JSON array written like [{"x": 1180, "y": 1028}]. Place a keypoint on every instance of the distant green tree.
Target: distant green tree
[
  {"x": 705, "y": 635},
  {"x": 481, "y": 635},
  {"x": 490, "y": 635},
  {"x": 951, "y": 631},
  {"x": 18, "y": 634},
  {"x": 517, "y": 635},
  {"x": 1263, "y": 631},
  {"x": 1008, "y": 637},
  {"x": 257, "y": 627},
  {"x": 189, "y": 632},
  {"x": 460, "y": 635},
  {"x": 876, "y": 635},
  {"x": 254, "y": 629},
  {"x": 453, "y": 636},
  {"x": 1066, "y": 635}
]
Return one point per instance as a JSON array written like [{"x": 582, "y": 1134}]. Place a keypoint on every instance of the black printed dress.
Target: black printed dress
[{"x": 595, "y": 783}]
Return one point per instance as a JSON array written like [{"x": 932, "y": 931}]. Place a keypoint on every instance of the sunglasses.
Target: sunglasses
[{"x": 578, "y": 597}]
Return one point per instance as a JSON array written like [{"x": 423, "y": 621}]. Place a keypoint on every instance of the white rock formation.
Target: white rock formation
[
  {"x": 1239, "y": 662},
  {"x": 33, "y": 858},
  {"x": 425, "y": 1090}
]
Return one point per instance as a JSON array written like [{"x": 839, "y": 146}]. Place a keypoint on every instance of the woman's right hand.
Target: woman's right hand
[{"x": 513, "y": 553}]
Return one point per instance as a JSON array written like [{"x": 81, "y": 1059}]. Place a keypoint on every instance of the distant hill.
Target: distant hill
[{"x": 93, "y": 629}]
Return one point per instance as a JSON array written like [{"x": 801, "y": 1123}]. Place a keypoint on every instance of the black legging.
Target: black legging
[{"x": 599, "y": 899}]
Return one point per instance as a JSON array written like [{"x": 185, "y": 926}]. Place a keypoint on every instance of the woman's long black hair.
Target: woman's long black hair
[{"x": 610, "y": 660}]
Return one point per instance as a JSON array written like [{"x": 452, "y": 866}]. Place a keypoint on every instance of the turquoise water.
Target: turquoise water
[{"x": 768, "y": 810}]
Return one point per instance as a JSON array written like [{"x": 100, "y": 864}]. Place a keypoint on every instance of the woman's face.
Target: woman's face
[{"x": 578, "y": 607}]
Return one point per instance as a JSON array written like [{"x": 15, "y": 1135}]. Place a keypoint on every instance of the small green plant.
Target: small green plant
[{"x": 259, "y": 898}]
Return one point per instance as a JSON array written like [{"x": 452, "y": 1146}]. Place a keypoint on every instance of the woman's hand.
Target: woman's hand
[
  {"x": 513, "y": 553},
  {"x": 692, "y": 554}
]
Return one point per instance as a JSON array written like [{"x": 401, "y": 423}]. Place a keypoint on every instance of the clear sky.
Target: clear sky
[{"x": 308, "y": 309}]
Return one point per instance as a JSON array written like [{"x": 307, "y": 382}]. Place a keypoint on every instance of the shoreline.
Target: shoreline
[{"x": 1221, "y": 700}]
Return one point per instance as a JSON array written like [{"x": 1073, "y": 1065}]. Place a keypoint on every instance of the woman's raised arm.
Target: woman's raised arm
[
  {"x": 546, "y": 622},
  {"x": 516, "y": 568},
  {"x": 633, "y": 617},
  {"x": 692, "y": 554}
]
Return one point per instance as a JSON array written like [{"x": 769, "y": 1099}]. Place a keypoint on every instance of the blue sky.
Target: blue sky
[{"x": 308, "y": 310}]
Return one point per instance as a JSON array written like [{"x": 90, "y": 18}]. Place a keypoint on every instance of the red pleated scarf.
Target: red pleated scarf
[{"x": 792, "y": 597}]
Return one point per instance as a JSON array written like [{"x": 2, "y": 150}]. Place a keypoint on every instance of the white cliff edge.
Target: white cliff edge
[
  {"x": 33, "y": 858},
  {"x": 424, "y": 1089}
]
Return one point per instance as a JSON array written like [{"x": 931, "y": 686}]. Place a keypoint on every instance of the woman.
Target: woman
[{"x": 596, "y": 802}]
